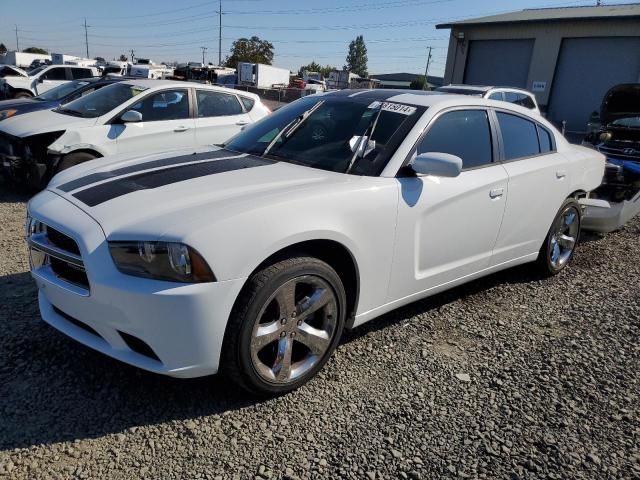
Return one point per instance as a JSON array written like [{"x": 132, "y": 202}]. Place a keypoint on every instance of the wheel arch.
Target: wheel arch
[
  {"x": 335, "y": 254},
  {"x": 88, "y": 150}
]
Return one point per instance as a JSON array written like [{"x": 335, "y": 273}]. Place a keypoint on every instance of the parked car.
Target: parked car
[
  {"x": 65, "y": 93},
  {"x": 12, "y": 71},
  {"x": 42, "y": 79},
  {"x": 518, "y": 96},
  {"x": 251, "y": 259},
  {"x": 143, "y": 116},
  {"x": 615, "y": 132}
]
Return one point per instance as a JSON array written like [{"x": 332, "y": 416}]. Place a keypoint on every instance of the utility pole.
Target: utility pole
[
  {"x": 426, "y": 71},
  {"x": 86, "y": 37},
  {"x": 17, "y": 41},
  {"x": 220, "y": 34},
  {"x": 204, "y": 49},
  {"x": 133, "y": 53}
]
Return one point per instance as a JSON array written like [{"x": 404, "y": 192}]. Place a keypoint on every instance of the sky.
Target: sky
[{"x": 397, "y": 32}]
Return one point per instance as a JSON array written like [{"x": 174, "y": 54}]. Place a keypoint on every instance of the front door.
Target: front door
[
  {"x": 447, "y": 227},
  {"x": 166, "y": 124},
  {"x": 53, "y": 77}
]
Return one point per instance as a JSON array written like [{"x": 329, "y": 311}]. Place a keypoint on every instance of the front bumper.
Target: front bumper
[{"x": 182, "y": 325}]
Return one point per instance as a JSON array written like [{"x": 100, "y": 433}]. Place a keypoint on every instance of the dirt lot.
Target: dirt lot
[{"x": 508, "y": 377}]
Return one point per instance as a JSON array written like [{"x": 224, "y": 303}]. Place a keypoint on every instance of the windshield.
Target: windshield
[
  {"x": 36, "y": 71},
  {"x": 61, "y": 91},
  {"x": 102, "y": 101},
  {"x": 325, "y": 132},
  {"x": 627, "y": 122},
  {"x": 461, "y": 91}
]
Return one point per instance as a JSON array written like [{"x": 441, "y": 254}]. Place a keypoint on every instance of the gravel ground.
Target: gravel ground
[{"x": 507, "y": 377}]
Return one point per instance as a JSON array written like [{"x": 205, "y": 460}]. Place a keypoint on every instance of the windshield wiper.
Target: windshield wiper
[
  {"x": 291, "y": 127},
  {"x": 68, "y": 111},
  {"x": 364, "y": 138}
]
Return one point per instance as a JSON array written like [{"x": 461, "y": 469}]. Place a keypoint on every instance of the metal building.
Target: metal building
[{"x": 569, "y": 57}]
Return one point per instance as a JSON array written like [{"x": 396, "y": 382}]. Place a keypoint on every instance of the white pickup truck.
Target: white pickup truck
[{"x": 41, "y": 79}]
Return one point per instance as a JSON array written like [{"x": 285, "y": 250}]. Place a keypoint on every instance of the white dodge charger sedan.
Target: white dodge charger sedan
[{"x": 252, "y": 258}]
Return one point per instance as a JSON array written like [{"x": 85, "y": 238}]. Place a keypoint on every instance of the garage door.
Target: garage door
[
  {"x": 498, "y": 62},
  {"x": 587, "y": 68}
]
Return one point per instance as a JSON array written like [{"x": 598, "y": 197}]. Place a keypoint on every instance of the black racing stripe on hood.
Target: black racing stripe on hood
[
  {"x": 139, "y": 167},
  {"x": 158, "y": 178}
]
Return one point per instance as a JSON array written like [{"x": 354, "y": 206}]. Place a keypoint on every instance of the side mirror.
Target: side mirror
[
  {"x": 437, "y": 164},
  {"x": 131, "y": 116}
]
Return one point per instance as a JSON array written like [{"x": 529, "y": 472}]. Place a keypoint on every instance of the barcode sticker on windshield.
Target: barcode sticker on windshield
[{"x": 397, "y": 108}]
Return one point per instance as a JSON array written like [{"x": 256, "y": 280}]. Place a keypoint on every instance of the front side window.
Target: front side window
[
  {"x": 55, "y": 74},
  {"x": 81, "y": 73},
  {"x": 162, "y": 106},
  {"x": 465, "y": 134},
  {"x": 216, "y": 104},
  {"x": 519, "y": 136}
]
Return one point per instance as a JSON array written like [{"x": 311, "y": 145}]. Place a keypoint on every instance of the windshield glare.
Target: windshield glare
[
  {"x": 325, "y": 138},
  {"x": 62, "y": 91},
  {"x": 102, "y": 101}
]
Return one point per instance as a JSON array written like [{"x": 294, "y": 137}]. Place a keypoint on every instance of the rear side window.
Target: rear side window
[
  {"x": 496, "y": 96},
  {"x": 465, "y": 134},
  {"x": 216, "y": 104},
  {"x": 55, "y": 74},
  {"x": 527, "y": 102},
  {"x": 247, "y": 102},
  {"x": 519, "y": 136},
  {"x": 81, "y": 73},
  {"x": 546, "y": 143},
  {"x": 521, "y": 99}
]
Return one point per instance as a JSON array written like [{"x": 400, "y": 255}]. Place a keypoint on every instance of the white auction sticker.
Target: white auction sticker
[{"x": 397, "y": 108}]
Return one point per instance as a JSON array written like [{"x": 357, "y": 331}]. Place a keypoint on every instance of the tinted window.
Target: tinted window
[
  {"x": 521, "y": 99},
  {"x": 247, "y": 102},
  {"x": 520, "y": 136},
  {"x": 215, "y": 104},
  {"x": 546, "y": 144},
  {"x": 81, "y": 73},
  {"x": 55, "y": 74},
  {"x": 166, "y": 105},
  {"x": 62, "y": 91},
  {"x": 496, "y": 96},
  {"x": 527, "y": 102},
  {"x": 465, "y": 134}
]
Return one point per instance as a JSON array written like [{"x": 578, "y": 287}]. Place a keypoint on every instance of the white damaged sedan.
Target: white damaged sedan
[{"x": 253, "y": 257}]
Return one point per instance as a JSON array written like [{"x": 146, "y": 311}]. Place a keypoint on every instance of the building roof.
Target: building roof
[{"x": 631, "y": 10}]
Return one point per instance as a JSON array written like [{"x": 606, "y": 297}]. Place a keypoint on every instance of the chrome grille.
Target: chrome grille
[{"x": 50, "y": 248}]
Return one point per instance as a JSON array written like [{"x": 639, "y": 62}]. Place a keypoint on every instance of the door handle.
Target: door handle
[
  {"x": 180, "y": 129},
  {"x": 242, "y": 123},
  {"x": 496, "y": 193},
  {"x": 560, "y": 174}
]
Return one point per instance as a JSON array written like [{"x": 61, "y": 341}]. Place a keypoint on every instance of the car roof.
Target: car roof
[
  {"x": 158, "y": 84},
  {"x": 484, "y": 88}
]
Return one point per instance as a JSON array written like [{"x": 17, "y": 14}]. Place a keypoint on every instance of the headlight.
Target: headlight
[
  {"x": 4, "y": 114},
  {"x": 174, "y": 262}
]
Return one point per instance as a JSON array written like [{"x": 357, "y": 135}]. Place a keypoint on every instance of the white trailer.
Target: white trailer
[
  {"x": 150, "y": 71},
  {"x": 262, "y": 76},
  {"x": 21, "y": 59}
]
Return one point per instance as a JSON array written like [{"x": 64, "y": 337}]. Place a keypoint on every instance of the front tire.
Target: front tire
[
  {"x": 18, "y": 95},
  {"x": 285, "y": 325},
  {"x": 73, "y": 159},
  {"x": 562, "y": 238}
]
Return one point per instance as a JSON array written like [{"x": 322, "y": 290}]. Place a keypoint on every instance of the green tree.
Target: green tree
[
  {"x": 123, "y": 58},
  {"x": 418, "y": 83},
  {"x": 316, "y": 67},
  {"x": 357, "y": 57},
  {"x": 3, "y": 48},
  {"x": 35, "y": 50},
  {"x": 251, "y": 50}
]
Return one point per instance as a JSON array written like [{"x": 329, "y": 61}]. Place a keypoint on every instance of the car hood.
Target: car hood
[
  {"x": 621, "y": 101},
  {"x": 147, "y": 197},
  {"x": 41, "y": 121},
  {"x": 26, "y": 105}
]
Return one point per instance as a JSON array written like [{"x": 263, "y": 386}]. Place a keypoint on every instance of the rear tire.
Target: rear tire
[
  {"x": 73, "y": 159},
  {"x": 561, "y": 240},
  {"x": 22, "y": 95},
  {"x": 285, "y": 324}
]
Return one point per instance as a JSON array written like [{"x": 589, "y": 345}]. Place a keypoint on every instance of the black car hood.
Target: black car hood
[{"x": 622, "y": 101}]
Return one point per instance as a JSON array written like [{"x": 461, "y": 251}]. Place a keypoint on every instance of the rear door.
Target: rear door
[
  {"x": 51, "y": 78},
  {"x": 219, "y": 116},
  {"x": 538, "y": 184},
  {"x": 166, "y": 123}
]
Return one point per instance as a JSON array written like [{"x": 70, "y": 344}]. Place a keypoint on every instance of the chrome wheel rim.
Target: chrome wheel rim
[
  {"x": 563, "y": 238},
  {"x": 294, "y": 329}
]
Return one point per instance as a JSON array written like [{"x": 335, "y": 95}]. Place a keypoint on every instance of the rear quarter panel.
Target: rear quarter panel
[{"x": 586, "y": 167}]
